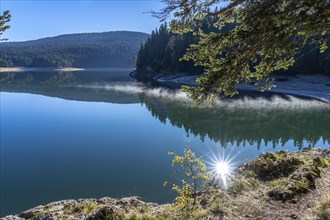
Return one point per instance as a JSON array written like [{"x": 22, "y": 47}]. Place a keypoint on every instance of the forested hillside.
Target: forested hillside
[
  {"x": 108, "y": 49},
  {"x": 163, "y": 50}
]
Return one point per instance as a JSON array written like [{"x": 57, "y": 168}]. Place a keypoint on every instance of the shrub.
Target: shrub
[{"x": 194, "y": 176}]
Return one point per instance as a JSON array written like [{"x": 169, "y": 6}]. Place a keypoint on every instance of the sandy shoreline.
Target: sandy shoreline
[
  {"x": 11, "y": 69},
  {"x": 25, "y": 69}
]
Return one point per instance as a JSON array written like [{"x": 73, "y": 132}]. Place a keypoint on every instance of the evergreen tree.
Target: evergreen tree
[
  {"x": 267, "y": 36},
  {"x": 4, "y": 19}
]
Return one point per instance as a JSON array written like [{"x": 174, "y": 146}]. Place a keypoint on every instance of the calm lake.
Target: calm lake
[{"x": 70, "y": 135}]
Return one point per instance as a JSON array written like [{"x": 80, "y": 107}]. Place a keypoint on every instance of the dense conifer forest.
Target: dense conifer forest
[
  {"x": 108, "y": 49},
  {"x": 163, "y": 49}
]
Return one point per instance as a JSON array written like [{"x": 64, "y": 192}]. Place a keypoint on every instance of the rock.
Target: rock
[
  {"x": 325, "y": 152},
  {"x": 294, "y": 216},
  {"x": 203, "y": 202},
  {"x": 86, "y": 200},
  {"x": 134, "y": 201},
  {"x": 45, "y": 217},
  {"x": 61, "y": 202},
  {"x": 152, "y": 204},
  {"x": 30, "y": 213},
  {"x": 11, "y": 217},
  {"x": 105, "y": 213},
  {"x": 107, "y": 200}
]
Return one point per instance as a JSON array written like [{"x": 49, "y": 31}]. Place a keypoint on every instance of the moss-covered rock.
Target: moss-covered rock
[
  {"x": 270, "y": 166},
  {"x": 302, "y": 179}
]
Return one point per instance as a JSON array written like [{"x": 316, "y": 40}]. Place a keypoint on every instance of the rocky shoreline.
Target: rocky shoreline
[
  {"x": 281, "y": 185},
  {"x": 315, "y": 87},
  {"x": 103, "y": 208}
]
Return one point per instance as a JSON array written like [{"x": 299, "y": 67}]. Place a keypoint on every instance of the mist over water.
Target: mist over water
[
  {"x": 275, "y": 101},
  {"x": 142, "y": 89}
]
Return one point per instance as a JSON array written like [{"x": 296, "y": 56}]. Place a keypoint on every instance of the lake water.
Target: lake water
[{"x": 93, "y": 134}]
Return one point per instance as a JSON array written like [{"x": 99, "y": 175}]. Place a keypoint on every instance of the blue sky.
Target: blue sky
[{"x": 45, "y": 18}]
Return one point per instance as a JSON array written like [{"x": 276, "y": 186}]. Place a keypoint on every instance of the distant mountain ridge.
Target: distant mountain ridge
[{"x": 106, "y": 49}]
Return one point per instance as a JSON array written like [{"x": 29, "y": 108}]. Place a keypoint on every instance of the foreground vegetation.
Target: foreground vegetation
[{"x": 278, "y": 185}]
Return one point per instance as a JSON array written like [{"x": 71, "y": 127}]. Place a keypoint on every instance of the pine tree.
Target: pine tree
[
  {"x": 4, "y": 19},
  {"x": 263, "y": 37}
]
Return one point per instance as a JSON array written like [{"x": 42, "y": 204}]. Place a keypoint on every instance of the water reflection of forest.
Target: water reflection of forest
[
  {"x": 251, "y": 125},
  {"x": 65, "y": 85},
  {"x": 235, "y": 125}
]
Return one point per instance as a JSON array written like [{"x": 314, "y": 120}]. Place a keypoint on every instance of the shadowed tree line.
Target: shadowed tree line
[{"x": 163, "y": 50}]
